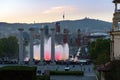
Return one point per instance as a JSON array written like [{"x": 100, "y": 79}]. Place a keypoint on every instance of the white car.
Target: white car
[{"x": 67, "y": 68}]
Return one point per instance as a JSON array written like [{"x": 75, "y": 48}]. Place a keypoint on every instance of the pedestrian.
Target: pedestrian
[
  {"x": 39, "y": 71},
  {"x": 84, "y": 69},
  {"x": 73, "y": 65},
  {"x": 89, "y": 69}
]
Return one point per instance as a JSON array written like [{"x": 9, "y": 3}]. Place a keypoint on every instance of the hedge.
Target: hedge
[
  {"x": 18, "y": 73},
  {"x": 43, "y": 77}
]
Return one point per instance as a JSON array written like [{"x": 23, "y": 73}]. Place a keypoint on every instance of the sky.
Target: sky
[{"x": 28, "y": 11}]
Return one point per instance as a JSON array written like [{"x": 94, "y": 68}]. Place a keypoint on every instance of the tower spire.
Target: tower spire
[
  {"x": 63, "y": 16},
  {"x": 34, "y": 22}
]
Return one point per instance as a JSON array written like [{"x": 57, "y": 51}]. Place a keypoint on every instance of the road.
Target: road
[{"x": 89, "y": 73}]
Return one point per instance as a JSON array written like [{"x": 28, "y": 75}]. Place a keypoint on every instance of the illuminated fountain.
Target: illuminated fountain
[
  {"x": 47, "y": 49},
  {"x": 61, "y": 51}
]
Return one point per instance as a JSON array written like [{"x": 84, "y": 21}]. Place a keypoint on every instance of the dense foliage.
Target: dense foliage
[
  {"x": 114, "y": 72},
  {"x": 43, "y": 77},
  {"x": 18, "y": 73},
  {"x": 8, "y": 47},
  {"x": 99, "y": 51},
  {"x": 18, "y": 68},
  {"x": 21, "y": 73}
]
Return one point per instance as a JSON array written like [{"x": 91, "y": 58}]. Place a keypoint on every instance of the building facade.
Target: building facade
[{"x": 115, "y": 33}]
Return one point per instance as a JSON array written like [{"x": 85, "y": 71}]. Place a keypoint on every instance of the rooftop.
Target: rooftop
[{"x": 118, "y": 1}]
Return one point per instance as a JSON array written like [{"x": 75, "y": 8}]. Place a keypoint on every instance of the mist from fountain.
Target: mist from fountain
[
  {"x": 61, "y": 51},
  {"x": 66, "y": 51}
]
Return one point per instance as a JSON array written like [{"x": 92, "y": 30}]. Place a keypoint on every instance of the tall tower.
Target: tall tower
[
  {"x": 79, "y": 38},
  {"x": 65, "y": 36},
  {"x": 116, "y": 15},
  {"x": 115, "y": 33},
  {"x": 63, "y": 16},
  {"x": 57, "y": 27},
  {"x": 46, "y": 30},
  {"x": 58, "y": 34}
]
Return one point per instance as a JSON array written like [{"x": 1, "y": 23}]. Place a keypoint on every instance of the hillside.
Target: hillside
[{"x": 85, "y": 24}]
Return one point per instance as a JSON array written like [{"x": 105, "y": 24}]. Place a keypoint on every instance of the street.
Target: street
[{"x": 89, "y": 73}]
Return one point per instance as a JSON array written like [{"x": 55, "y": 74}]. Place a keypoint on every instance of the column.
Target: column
[
  {"x": 42, "y": 44},
  {"x": 31, "y": 46},
  {"x": 112, "y": 47},
  {"x": 52, "y": 44},
  {"x": 21, "y": 58},
  {"x": 115, "y": 7}
]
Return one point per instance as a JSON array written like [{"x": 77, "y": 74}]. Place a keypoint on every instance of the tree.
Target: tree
[
  {"x": 99, "y": 51},
  {"x": 92, "y": 51},
  {"x": 1, "y": 50},
  {"x": 9, "y": 46},
  {"x": 13, "y": 45}
]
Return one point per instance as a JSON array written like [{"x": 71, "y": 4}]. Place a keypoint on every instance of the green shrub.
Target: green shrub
[
  {"x": 17, "y": 68},
  {"x": 43, "y": 77},
  {"x": 114, "y": 72},
  {"x": 98, "y": 75},
  {"x": 17, "y": 73}
]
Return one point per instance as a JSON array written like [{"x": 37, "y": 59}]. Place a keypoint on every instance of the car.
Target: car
[{"x": 67, "y": 68}]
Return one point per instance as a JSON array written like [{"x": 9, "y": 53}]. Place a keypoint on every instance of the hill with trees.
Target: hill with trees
[{"x": 85, "y": 24}]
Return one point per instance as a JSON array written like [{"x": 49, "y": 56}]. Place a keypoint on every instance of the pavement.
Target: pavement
[
  {"x": 89, "y": 73},
  {"x": 72, "y": 78}
]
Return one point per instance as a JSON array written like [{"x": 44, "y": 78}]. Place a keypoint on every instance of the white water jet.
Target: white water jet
[
  {"x": 61, "y": 51},
  {"x": 66, "y": 52},
  {"x": 36, "y": 52}
]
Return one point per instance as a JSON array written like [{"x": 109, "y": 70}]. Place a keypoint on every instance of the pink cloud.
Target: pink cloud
[{"x": 60, "y": 9}]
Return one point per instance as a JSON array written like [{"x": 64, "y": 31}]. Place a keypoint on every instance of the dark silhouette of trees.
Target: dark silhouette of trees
[
  {"x": 99, "y": 51},
  {"x": 8, "y": 47}
]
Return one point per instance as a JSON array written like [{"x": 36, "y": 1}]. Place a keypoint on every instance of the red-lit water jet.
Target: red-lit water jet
[{"x": 61, "y": 51}]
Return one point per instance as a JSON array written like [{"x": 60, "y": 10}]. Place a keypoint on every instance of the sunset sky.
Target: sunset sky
[{"x": 28, "y": 11}]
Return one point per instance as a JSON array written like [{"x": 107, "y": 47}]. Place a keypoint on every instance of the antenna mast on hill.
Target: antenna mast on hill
[
  {"x": 34, "y": 22},
  {"x": 63, "y": 16}
]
